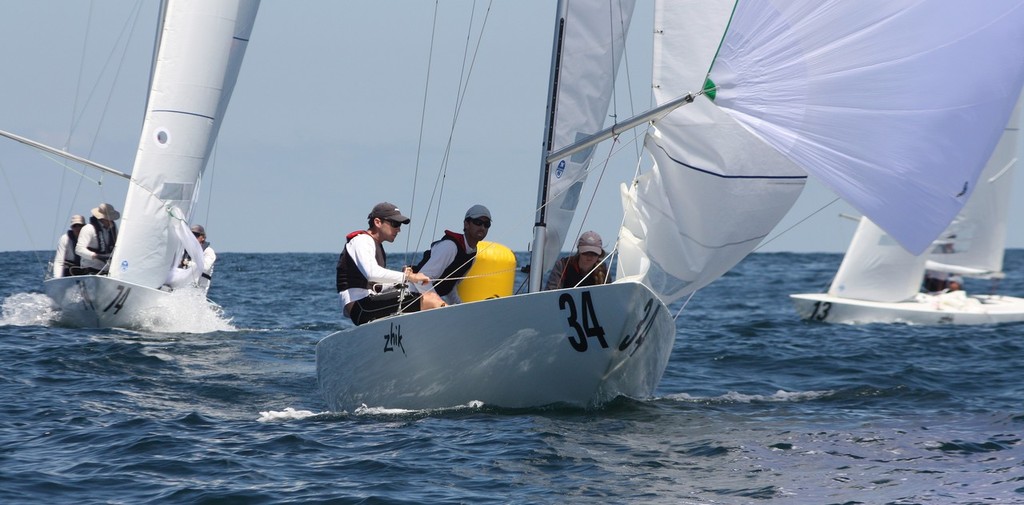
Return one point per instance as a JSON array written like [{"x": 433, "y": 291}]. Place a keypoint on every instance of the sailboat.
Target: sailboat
[
  {"x": 880, "y": 282},
  {"x": 752, "y": 96},
  {"x": 197, "y": 59}
]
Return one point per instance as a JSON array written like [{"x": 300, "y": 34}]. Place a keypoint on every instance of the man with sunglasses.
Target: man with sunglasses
[
  {"x": 451, "y": 256},
  {"x": 367, "y": 289}
]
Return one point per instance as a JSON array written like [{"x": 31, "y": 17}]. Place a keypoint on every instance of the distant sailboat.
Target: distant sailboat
[
  {"x": 772, "y": 91},
  {"x": 200, "y": 48},
  {"x": 880, "y": 282}
]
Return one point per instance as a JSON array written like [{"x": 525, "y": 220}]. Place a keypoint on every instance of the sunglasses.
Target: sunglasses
[
  {"x": 481, "y": 222},
  {"x": 394, "y": 224}
]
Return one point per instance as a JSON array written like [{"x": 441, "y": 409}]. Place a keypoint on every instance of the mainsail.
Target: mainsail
[
  {"x": 183, "y": 114},
  {"x": 589, "y": 42}
]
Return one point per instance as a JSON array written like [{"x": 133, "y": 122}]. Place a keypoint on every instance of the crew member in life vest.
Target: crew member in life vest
[
  {"x": 209, "y": 257},
  {"x": 450, "y": 257},
  {"x": 96, "y": 241},
  {"x": 66, "y": 258},
  {"x": 367, "y": 290},
  {"x": 582, "y": 268}
]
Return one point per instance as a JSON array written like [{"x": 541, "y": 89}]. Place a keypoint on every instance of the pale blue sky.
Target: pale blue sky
[{"x": 324, "y": 123}]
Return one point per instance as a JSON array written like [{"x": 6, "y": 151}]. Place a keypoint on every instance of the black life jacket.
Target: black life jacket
[
  {"x": 457, "y": 269},
  {"x": 572, "y": 275},
  {"x": 76, "y": 260},
  {"x": 348, "y": 274},
  {"x": 73, "y": 242},
  {"x": 105, "y": 237}
]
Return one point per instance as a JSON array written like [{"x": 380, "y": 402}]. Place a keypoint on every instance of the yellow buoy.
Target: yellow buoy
[{"x": 492, "y": 275}]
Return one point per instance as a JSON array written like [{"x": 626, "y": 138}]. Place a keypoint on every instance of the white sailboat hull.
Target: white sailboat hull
[
  {"x": 103, "y": 302},
  {"x": 924, "y": 309},
  {"x": 522, "y": 351}
]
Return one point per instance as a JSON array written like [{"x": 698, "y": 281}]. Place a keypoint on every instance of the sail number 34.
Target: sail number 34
[{"x": 584, "y": 322}]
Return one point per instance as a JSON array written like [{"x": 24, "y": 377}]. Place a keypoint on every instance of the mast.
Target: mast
[{"x": 540, "y": 223}]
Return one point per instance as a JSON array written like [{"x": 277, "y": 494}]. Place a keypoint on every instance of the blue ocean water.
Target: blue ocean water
[{"x": 756, "y": 407}]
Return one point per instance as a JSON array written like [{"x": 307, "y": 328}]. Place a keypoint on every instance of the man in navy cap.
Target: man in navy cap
[{"x": 367, "y": 289}]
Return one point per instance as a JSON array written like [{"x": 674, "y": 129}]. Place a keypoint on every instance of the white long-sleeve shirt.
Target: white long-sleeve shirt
[
  {"x": 65, "y": 253},
  {"x": 363, "y": 251},
  {"x": 86, "y": 239},
  {"x": 209, "y": 256}
]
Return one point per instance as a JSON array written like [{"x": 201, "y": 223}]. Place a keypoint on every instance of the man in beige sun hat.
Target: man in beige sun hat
[{"x": 96, "y": 240}]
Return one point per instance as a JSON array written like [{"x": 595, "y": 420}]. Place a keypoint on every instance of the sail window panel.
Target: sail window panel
[
  {"x": 571, "y": 197},
  {"x": 177, "y": 191}
]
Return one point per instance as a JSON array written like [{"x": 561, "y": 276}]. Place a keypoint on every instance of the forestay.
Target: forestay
[{"x": 184, "y": 111}]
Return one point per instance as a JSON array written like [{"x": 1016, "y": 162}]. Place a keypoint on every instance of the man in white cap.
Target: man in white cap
[
  {"x": 66, "y": 258},
  {"x": 451, "y": 256},
  {"x": 582, "y": 268},
  {"x": 96, "y": 241},
  {"x": 366, "y": 288}
]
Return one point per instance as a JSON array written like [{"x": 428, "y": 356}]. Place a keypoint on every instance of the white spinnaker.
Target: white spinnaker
[
  {"x": 877, "y": 268},
  {"x": 893, "y": 104},
  {"x": 975, "y": 241},
  {"x": 593, "y": 42},
  {"x": 199, "y": 56},
  {"x": 716, "y": 189}
]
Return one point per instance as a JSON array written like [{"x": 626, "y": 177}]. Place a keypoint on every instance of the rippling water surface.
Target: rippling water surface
[{"x": 755, "y": 407}]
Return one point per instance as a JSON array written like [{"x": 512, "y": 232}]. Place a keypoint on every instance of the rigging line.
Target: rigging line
[
  {"x": 419, "y": 140},
  {"x": 593, "y": 195},
  {"x": 461, "y": 95},
  {"x": 209, "y": 192},
  {"x": 683, "y": 306},
  {"x": 625, "y": 62},
  {"x": 783, "y": 232},
  {"x": 21, "y": 217},
  {"x": 130, "y": 21}
]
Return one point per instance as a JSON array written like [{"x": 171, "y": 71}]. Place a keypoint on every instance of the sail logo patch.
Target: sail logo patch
[{"x": 560, "y": 170}]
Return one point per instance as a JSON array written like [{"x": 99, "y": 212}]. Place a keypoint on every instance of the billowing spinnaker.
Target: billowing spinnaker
[
  {"x": 894, "y": 105},
  {"x": 975, "y": 241}
]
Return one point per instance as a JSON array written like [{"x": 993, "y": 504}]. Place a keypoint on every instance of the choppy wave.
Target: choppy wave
[{"x": 756, "y": 407}]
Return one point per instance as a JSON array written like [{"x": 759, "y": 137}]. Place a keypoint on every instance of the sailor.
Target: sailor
[
  {"x": 66, "y": 258},
  {"x": 582, "y": 268},
  {"x": 367, "y": 290},
  {"x": 450, "y": 257},
  {"x": 209, "y": 257},
  {"x": 96, "y": 241}
]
